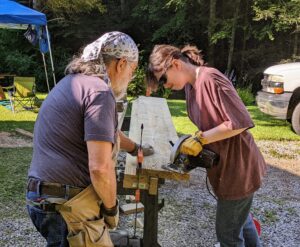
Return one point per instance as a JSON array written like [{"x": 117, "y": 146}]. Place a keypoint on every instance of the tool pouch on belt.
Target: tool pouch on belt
[{"x": 85, "y": 227}]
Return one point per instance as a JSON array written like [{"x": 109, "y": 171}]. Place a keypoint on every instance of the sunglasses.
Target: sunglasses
[{"x": 163, "y": 79}]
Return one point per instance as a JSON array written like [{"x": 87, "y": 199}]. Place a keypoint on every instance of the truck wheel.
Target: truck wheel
[{"x": 296, "y": 119}]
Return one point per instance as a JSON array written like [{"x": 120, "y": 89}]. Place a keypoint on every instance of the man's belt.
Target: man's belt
[{"x": 53, "y": 189}]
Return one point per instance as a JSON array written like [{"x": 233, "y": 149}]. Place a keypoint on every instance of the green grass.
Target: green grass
[
  {"x": 266, "y": 127},
  {"x": 270, "y": 216},
  {"x": 23, "y": 119},
  {"x": 179, "y": 116},
  {"x": 14, "y": 164},
  {"x": 269, "y": 128}
]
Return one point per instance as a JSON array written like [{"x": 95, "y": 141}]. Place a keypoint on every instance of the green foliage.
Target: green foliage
[
  {"x": 246, "y": 96},
  {"x": 137, "y": 86},
  {"x": 19, "y": 63},
  {"x": 263, "y": 25},
  {"x": 74, "y": 7},
  {"x": 223, "y": 31},
  {"x": 162, "y": 92},
  {"x": 284, "y": 15}
]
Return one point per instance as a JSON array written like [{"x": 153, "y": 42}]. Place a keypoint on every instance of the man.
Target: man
[{"x": 75, "y": 145}]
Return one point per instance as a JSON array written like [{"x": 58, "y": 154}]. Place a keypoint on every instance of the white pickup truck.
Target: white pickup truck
[{"x": 280, "y": 95}]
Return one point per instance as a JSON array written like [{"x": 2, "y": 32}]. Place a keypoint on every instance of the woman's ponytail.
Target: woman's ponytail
[{"x": 193, "y": 54}]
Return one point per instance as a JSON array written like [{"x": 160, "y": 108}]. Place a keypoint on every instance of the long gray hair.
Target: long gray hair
[
  {"x": 97, "y": 55},
  {"x": 91, "y": 68}
]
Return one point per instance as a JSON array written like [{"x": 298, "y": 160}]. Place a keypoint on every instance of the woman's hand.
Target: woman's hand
[{"x": 193, "y": 145}]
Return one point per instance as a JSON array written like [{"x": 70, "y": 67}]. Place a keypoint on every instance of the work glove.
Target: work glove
[
  {"x": 147, "y": 149},
  {"x": 111, "y": 216},
  {"x": 193, "y": 145}
]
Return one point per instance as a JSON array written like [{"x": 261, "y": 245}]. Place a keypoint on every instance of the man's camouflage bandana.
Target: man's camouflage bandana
[{"x": 115, "y": 44}]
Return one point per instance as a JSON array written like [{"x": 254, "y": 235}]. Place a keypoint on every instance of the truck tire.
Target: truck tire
[{"x": 296, "y": 119}]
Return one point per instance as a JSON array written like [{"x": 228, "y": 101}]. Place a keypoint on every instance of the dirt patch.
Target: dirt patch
[
  {"x": 12, "y": 140},
  {"x": 291, "y": 166}
]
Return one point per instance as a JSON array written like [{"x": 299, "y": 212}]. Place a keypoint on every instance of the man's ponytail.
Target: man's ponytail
[{"x": 193, "y": 54}]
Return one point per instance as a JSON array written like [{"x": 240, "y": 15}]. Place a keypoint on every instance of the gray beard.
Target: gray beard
[{"x": 119, "y": 94}]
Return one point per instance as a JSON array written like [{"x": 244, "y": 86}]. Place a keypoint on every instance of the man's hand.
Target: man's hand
[
  {"x": 147, "y": 150},
  {"x": 193, "y": 145},
  {"x": 132, "y": 148},
  {"x": 111, "y": 216}
]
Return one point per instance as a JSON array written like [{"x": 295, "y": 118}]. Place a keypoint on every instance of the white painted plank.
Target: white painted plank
[{"x": 154, "y": 114}]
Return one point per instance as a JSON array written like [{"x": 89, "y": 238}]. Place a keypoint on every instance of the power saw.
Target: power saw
[{"x": 182, "y": 163}]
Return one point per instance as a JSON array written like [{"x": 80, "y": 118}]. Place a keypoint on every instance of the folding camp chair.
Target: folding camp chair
[
  {"x": 23, "y": 93},
  {"x": 8, "y": 86}
]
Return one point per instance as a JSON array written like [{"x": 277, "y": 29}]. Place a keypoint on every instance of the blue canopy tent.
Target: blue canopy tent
[{"x": 17, "y": 16}]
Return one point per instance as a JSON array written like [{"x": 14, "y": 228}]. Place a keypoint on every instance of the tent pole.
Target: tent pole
[
  {"x": 51, "y": 58},
  {"x": 46, "y": 73}
]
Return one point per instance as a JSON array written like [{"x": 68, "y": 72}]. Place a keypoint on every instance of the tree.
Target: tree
[
  {"x": 279, "y": 16},
  {"x": 211, "y": 30},
  {"x": 232, "y": 38}
]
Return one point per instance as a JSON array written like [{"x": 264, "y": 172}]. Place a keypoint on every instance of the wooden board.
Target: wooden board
[
  {"x": 24, "y": 132},
  {"x": 131, "y": 208},
  {"x": 154, "y": 114}
]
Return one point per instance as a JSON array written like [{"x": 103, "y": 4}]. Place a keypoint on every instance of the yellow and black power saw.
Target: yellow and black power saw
[{"x": 182, "y": 163}]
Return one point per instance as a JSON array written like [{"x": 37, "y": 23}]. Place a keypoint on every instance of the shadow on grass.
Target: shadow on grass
[
  {"x": 13, "y": 173},
  {"x": 177, "y": 108},
  {"x": 12, "y": 125},
  {"x": 264, "y": 119}
]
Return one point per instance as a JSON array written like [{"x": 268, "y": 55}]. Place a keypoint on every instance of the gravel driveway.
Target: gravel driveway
[{"x": 189, "y": 213}]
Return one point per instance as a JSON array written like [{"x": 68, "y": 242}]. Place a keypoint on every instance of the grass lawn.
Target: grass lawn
[
  {"x": 23, "y": 119},
  {"x": 266, "y": 127},
  {"x": 13, "y": 176}
]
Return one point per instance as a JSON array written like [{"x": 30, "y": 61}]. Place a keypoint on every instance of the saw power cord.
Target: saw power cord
[{"x": 209, "y": 191}]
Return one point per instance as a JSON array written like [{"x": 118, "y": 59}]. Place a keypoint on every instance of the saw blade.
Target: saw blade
[
  {"x": 175, "y": 149},
  {"x": 173, "y": 168}
]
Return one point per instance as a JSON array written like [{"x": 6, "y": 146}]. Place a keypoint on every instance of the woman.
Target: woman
[
  {"x": 75, "y": 142},
  {"x": 214, "y": 106}
]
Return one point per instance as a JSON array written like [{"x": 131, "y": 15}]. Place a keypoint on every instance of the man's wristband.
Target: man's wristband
[
  {"x": 109, "y": 211},
  {"x": 135, "y": 150}
]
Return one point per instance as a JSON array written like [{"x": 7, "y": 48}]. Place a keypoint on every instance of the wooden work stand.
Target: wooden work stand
[{"x": 154, "y": 114}]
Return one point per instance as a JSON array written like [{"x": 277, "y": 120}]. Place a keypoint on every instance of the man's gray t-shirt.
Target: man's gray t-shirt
[{"x": 80, "y": 108}]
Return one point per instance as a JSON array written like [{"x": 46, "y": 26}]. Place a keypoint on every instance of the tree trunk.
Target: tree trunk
[
  {"x": 123, "y": 6},
  {"x": 231, "y": 43},
  {"x": 245, "y": 36},
  {"x": 211, "y": 30},
  {"x": 295, "y": 50},
  {"x": 38, "y": 4}
]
